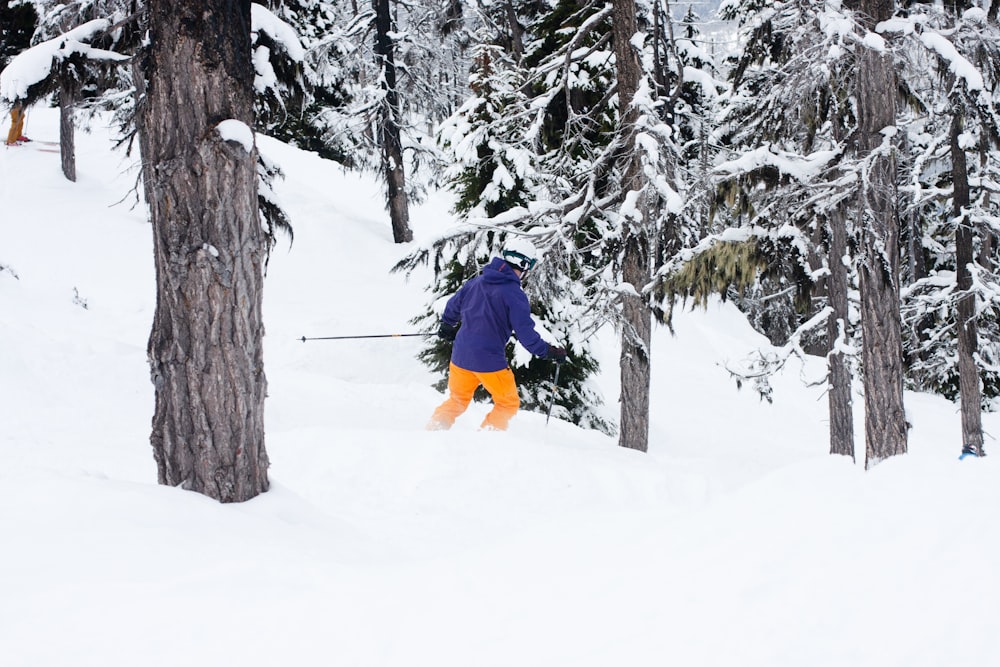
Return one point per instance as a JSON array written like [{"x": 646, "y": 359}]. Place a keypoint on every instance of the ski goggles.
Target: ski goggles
[{"x": 524, "y": 262}]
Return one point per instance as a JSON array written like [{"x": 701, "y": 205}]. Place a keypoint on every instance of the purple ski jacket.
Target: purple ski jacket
[{"x": 490, "y": 307}]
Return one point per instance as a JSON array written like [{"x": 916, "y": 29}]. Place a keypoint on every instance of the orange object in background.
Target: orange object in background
[{"x": 16, "y": 125}]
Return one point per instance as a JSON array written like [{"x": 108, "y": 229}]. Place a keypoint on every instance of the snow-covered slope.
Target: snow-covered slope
[{"x": 735, "y": 541}]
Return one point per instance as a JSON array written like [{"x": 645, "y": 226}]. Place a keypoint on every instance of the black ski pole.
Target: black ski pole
[
  {"x": 555, "y": 385},
  {"x": 396, "y": 335}
]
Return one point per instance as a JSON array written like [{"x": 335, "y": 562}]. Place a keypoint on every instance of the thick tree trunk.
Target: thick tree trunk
[
  {"x": 882, "y": 348},
  {"x": 636, "y": 331},
  {"x": 389, "y": 131},
  {"x": 67, "y": 131},
  {"x": 205, "y": 348},
  {"x": 965, "y": 320},
  {"x": 840, "y": 400}
]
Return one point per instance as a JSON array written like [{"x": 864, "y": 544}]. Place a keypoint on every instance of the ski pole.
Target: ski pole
[
  {"x": 555, "y": 385},
  {"x": 395, "y": 335}
]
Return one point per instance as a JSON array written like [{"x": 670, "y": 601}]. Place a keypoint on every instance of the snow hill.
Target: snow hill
[{"x": 737, "y": 540}]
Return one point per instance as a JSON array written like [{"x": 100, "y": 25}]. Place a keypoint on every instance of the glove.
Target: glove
[
  {"x": 556, "y": 353},
  {"x": 448, "y": 332}
]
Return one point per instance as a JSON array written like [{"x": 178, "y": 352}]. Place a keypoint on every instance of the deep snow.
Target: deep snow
[{"x": 737, "y": 540}]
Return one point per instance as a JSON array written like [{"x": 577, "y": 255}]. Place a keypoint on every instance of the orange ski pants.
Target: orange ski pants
[
  {"x": 462, "y": 385},
  {"x": 16, "y": 124}
]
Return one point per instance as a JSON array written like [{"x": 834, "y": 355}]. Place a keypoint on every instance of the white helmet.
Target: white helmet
[{"x": 520, "y": 253}]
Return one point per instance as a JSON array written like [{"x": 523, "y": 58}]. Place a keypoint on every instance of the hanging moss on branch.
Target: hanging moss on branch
[{"x": 727, "y": 267}]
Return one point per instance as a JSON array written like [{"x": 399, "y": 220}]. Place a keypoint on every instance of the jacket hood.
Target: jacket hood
[{"x": 499, "y": 271}]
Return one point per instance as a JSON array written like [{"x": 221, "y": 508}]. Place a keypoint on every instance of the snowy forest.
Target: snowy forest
[{"x": 830, "y": 167}]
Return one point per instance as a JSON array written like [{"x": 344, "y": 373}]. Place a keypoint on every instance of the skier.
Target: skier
[{"x": 479, "y": 318}]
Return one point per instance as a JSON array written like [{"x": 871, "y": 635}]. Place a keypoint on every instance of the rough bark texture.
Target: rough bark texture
[
  {"x": 634, "y": 427},
  {"x": 67, "y": 135},
  {"x": 965, "y": 317},
  {"x": 840, "y": 400},
  {"x": 882, "y": 347},
  {"x": 205, "y": 348},
  {"x": 389, "y": 130}
]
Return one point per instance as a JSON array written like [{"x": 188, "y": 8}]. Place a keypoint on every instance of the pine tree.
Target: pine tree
[
  {"x": 587, "y": 145},
  {"x": 951, "y": 307}
]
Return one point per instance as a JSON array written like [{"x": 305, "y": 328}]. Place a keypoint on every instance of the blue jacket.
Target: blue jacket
[{"x": 490, "y": 307}]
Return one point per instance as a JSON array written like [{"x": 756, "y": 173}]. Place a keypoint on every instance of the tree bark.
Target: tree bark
[
  {"x": 636, "y": 330},
  {"x": 515, "y": 31},
  {"x": 882, "y": 348},
  {"x": 840, "y": 399},
  {"x": 965, "y": 316},
  {"x": 205, "y": 348},
  {"x": 67, "y": 131},
  {"x": 389, "y": 130}
]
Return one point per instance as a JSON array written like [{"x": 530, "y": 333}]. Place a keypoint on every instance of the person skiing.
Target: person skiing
[{"x": 479, "y": 318}]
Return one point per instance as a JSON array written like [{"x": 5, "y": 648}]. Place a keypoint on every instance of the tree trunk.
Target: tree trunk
[
  {"x": 636, "y": 329},
  {"x": 817, "y": 345},
  {"x": 205, "y": 348},
  {"x": 840, "y": 399},
  {"x": 965, "y": 318},
  {"x": 515, "y": 31},
  {"x": 389, "y": 131},
  {"x": 882, "y": 348},
  {"x": 67, "y": 132}
]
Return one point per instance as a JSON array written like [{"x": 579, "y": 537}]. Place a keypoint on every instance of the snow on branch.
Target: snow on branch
[
  {"x": 761, "y": 365},
  {"x": 937, "y": 42},
  {"x": 801, "y": 168},
  {"x": 284, "y": 35},
  {"x": 33, "y": 66}
]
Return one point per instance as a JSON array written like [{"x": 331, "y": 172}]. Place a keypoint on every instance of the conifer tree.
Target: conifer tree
[
  {"x": 600, "y": 179},
  {"x": 951, "y": 312},
  {"x": 492, "y": 174}
]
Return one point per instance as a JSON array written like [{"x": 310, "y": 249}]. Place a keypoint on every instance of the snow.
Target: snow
[
  {"x": 940, "y": 44},
  {"x": 264, "y": 20},
  {"x": 957, "y": 64},
  {"x": 801, "y": 168},
  {"x": 737, "y": 540},
  {"x": 236, "y": 131},
  {"x": 33, "y": 65},
  {"x": 874, "y": 42},
  {"x": 709, "y": 86}
]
